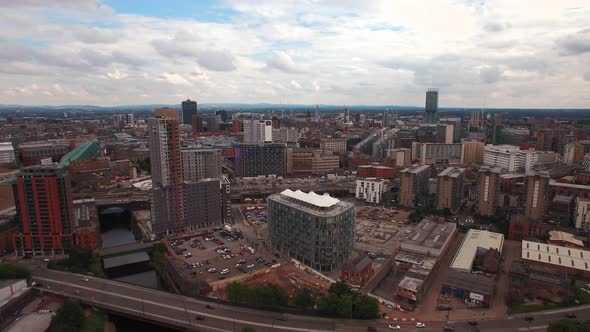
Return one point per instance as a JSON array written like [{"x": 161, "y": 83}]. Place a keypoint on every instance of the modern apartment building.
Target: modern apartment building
[
  {"x": 200, "y": 164},
  {"x": 7, "y": 156},
  {"x": 573, "y": 153},
  {"x": 203, "y": 206},
  {"x": 317, "y": 230},
  {"x": 45, "y": 211},
  {"x": 436, "y": 153},
  {"x": 537, "y": 188},
  {"x": 488, "y": 189},
  {"x": 512, "y": 159},
  {"x": 370, "y": 190},
  {"x": 402, "y": 157},
  {"x": 260, "y": 159},
  {"x": 165, "y": 157},
  {"x": 582, "y": 214},
  {"x": 414, "y": 182},
  {"x": 450, "y": 188},
  {"x": 472, "y": 153}
]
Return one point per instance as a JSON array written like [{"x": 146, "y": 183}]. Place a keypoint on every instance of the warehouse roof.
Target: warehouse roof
[
  {"x": 567, "y": 257},
  {"x": 472, "y": 282},
  {"x": 324, "y": 200},
  {"x": 475, "y": 239}
]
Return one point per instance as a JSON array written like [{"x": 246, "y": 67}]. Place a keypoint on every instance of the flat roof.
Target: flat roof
[
  {"x": 410, "y": 283},
  {"x": 126, "y": 259},
  {"x": 426, "y": 262},
  {"x": 565, "y": 237},
  {"x": 312, "y": 198},
  {"x": 430, "y": 237},
  {"x": 568, "y": 185},
  {"x": 416, "y": 168},
  {"x": 567, "y": 257},
  {"x": 474, "y": 239},
  {"x": 452, "y": 172}
]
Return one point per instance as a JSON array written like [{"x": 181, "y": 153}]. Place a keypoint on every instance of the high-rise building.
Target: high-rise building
[
  {"x": 472, "y": 152},
  {"x": 402, "y": 156},
  {"x": 165, "y": 157},
  {"x": 260, "y": 159},
  {"x": 198, "y": 164},
  {"x": 431, "y": 108},
  {"x": 130, "y": 118},
  {"x": 488, "y": 189},
  {"x": 317, "y": 230},
  {"x": 257, "y": 131},
  {"x": 189, "y": 108},
  {"x": 45, "y": 211},
  {"x": 573, "y": 153},
  {"x": 222, "y": 115},
  {"x": 203, "y": 204},
  {"x": 476, "y": 120},
  {"x": 414, "y": 183},
  {"x": 335, "y": 144},
  {"x": 213, "y": 123},
  {"x": 537, "y": 187},
  {"x": 582, "y": 214},
  {"x": 437, "y": 153},
  {"x": 117, "y": 121},
  {"x": 450, "y": 188},
  {"x": 197, "y": 124},
  {"x": 445, "y": 133}
]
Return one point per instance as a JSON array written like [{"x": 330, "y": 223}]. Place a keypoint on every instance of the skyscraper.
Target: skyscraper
[
  {"x": 189, "y": 108},
  {"x": 257, "y": 131},
  {"x": 431, "y": 108},
  {"x": 198, "y": 164},
  {"x": 164, "y": 142},
  {"x": 45, "y": 211}
]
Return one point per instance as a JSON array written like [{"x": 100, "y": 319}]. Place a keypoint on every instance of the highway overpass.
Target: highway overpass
[{"x": 180, "y": 312}]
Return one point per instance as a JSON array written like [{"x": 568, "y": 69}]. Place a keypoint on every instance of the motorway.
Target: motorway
[{"x": 181, "y": 311}]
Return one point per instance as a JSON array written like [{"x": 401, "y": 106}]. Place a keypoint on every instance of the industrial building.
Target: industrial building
[
  {"x": 573, "y": 261},
  {"x": 431, "y": 238},
  {"x": 473, "y": 240},
  {"x": 476, "y": 289},
  {"x": 317, "y": 230}
]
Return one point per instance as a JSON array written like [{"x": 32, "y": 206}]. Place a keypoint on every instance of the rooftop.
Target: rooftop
[
  {"x": 358, "y": 264},
  {"x": 474, "y": 239},
  {"x": 568, "y": 185},
  {"x": 565, "y": 237},
  {"x": 430, "y": 238},
  {"x": 411, "y": 284},
  {"x": 452, "y": 171},
  {"x": 567, "y": 257},
  {"x": 6, "y": 146},
  {"x": 416, "y": 169},
  {"x": 312, "y": 198}
]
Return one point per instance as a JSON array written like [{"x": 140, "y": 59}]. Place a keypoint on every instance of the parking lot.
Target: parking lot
[{"x": 219, "y": 256}]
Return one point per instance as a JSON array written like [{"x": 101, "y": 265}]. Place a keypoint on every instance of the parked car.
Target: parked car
[
  {"x": 420, "y": 325},
  {"x": 224, "y": 271},
  {"x": 448, "y": 328},
  {"x": 570, "y": 315},
  {"x": 212, "y": 270},
  {"x": 394, "y": 327}
]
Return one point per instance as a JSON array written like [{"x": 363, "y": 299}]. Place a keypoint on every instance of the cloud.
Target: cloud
[
  {"x": 490, "y": 74},
  {"x": 495, "y": 27},
  {"x": 587, "y": 76},
  {"x": 216, "y": 60},
  {"x": 296, "y": 84},
  {"x": 116, "y": 74},
  {"x": 96, "y": 36},
  {"x": 282, "y": 61},
  {"x": 212, "y": 59},
  {"x": 577, "y": 43}
]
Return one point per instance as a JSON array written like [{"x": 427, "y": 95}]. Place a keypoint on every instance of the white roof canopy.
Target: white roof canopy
[{"x": 324, "y": 200}]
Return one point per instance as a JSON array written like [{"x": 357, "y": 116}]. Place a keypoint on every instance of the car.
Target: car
[
  {"x": 282, "y": 318},
  {"x": 420, "y": 325},
  {"x": 200, "y": 318},
  {"x": 212, "y": 270},
  {"x": 208, "y": 306},
  {"x": 448, "y": 328},
  {"x": 242, "y": 261},
  {"x": 394, "y": 327},
  {"x": 250, "y": 266},
  {"x": 473, "y": 323},
  {"x": 274, "y": 261},
  {"x": 224, "y": 271},
  {"x": 46, "y": 259},
  {"x": 570, "y": 315},
  {"x": 85, "y": 279},
  {"x": 77, "y": 292},
  {"x": 371, "y": 328}
]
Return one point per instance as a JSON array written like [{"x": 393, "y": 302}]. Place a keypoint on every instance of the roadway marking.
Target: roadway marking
[{"x": 177, "y": 308}]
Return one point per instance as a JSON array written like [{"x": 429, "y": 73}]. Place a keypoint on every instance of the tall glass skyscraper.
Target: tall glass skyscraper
[
  {"x": 189, "y": 108},
  {"x": 431, "y": 105}
]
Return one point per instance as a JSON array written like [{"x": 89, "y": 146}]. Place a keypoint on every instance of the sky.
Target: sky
[{"x": 479, "y": 53}]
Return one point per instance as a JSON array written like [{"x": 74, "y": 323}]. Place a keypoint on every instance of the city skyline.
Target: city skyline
[{"x": 108, "y": 53}]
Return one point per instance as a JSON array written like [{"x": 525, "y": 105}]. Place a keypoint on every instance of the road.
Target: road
[{"x": 182, "y": 311}]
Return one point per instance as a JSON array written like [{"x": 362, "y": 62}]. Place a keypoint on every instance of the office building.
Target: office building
[
  {"x": 370, "y": 190},
  {"x": 317, "y": 230},
  {"x": 257, "y": 131},
  {"x": 213, "y": 123},
  {"x": 436, "y": 153},
  {"x": 260, "y": 159},
  {"x": 488, "y": 189},
  {"x": 222, "y": 115},
  {"x": 472, "y": 152},
  {"x": 189, "y": 108},
  {"x": 402, "y": 157},
  {"x": 130, "y": 118},
  {"x": 45, "y": 211},
  {"x": 445, "y": 133},
  {"x": 166, "y": 169},
  {"x": 573, "y": 153},
  {"x": 117, "y": 121},
  {"x": 537, "y": 187},
  {"x": 582, "y": 214},
  {"x": 200, "y": 164},
  {"x": 450, "y": 188},
  {"x": 431, "y": 107},
  {"x": 302, "y": 161},
  {"x": 7, "y": 156},
  {"x": 197, "y": 124},
  {"x": 507, "y": 157},
  {"x": 334, "y": 144},
  {"x": 414, "y": 183},
  {"x": 476, "y": 120},
  {"x": 285, "y": 135}
]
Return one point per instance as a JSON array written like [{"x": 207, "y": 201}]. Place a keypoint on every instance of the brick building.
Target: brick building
[
  {"x": 358, "y": 271},
  {"x": 375, "y": 171},
  {"x": 522, "y": 228},
  {"x": 87, "y": 226}
]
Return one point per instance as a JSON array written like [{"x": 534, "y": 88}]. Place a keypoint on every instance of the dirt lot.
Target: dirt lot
[{"x": 380, "y": 230}]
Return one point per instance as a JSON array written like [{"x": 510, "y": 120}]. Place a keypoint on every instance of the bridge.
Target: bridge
[
  {"x": 126, "y": 249},
  {"x": 180, "y": 312}
]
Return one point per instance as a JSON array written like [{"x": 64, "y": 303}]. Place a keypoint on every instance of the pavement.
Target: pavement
[{"x": 181, "y": 311}]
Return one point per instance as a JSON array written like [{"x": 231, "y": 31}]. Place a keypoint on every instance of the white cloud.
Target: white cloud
[{"x": 369, "y": 52}]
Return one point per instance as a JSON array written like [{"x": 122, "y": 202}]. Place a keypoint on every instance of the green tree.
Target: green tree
[
  {"x": 366, "y": 308},
  {"x": 569, "y": 325},
  {"x": 12, "y": 271},
  {"x": 304, "y": 299},
  {"x": 68, "y": 318},
  {"x": 248, "y": 329}
]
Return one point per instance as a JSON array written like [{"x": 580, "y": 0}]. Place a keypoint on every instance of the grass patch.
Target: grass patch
[
  {"x": 582, "y": 296},
  {"x": 523, "y": 308},
  {"x": 93, "y": 323}
]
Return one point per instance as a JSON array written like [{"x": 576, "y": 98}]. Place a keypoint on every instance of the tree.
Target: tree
[
  {"x": 248, "y": 329},
  {"x": 569, "y": 325},
  {"x": 68, "y": 318},
  {"x": 304, "y": 299},
  {"x": 12, "y": 271}
]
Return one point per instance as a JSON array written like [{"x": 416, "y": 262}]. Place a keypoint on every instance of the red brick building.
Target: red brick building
[
  {"x": 87, "y": 226},
  {"x": 358, "y": 271},
  {"x": 375, "y": 171},
  {"x": 523, "y": 227}
]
